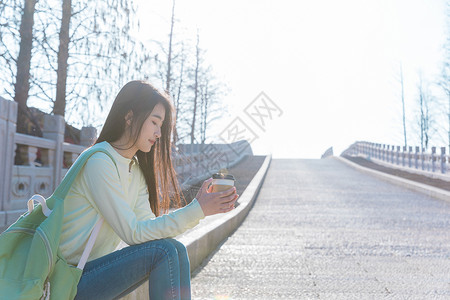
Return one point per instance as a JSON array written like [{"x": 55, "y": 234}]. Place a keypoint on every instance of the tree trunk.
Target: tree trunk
[
  {"x": 194, "y": 114},
  {"x": 448, "y": 122},
  {"x": 22, "y": 86},
  {"x": 59, "y": 106},
  {"x": 169, "y": 56},
  {"x": 178, "y": 97},
  {"x": 403, "y": 107}
]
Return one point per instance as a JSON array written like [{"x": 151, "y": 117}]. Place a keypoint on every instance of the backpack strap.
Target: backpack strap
[
  {"x": 61, "y": 191},
  {"x": 87, "y": 250},
  {"x": 39, "y": 198}
]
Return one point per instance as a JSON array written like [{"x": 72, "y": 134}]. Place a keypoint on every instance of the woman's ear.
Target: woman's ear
[{"x": 129, "y": 117}]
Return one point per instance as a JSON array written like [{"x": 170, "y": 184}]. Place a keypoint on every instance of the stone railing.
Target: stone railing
[
  {"x": 411, "y": 159},
  {"x": 45, "y": 161},
  {"x": 32, "y": 165},
  {"x": 197, "y": 161}
]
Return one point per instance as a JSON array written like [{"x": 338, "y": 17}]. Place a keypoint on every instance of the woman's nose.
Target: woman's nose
[{"x": 158, "y": 133}]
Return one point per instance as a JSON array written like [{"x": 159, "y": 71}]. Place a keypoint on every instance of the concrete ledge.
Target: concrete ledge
[
  {"x": 412, "y": 185},
  {"x": 436, "y": 175},
  {"x": 205, "y": 237}
]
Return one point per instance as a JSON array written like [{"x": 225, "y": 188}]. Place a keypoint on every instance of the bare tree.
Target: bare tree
[
  {"x": 82, "y": 53},
  {"x": 59, "y": 107},
  {"x": 169, "y": 56},
  {"x": 178, "y": 92},
  {"x": 195, "y": 88},
  {"x": 444, "y": 83},
  {"x": 96, "y": 55},
  {"x": 174, "y": 92},
  {"x": 444, "y": 80},
  {"x": 211, "y": 106},
  {"x": 426, "y": 116},
  {"x": 22, "y": 85},
  {"x": 403, "y": 106},
  {"x": 189, "y": 85},
  {"x": 23, "y": 64}
]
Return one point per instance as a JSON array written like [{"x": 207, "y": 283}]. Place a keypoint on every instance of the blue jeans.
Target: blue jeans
[{"x": 164, "y": 263}]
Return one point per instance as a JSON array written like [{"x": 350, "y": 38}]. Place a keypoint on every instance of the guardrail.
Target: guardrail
[
  {"x": 403, "y": 157},
  {"x": 34, "y": 165}
]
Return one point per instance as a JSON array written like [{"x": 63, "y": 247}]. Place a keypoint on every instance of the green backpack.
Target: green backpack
[{"x": 31, "y": 266}]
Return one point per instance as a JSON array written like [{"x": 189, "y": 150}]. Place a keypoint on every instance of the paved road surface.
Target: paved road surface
[{"x": 322, "y": 230}]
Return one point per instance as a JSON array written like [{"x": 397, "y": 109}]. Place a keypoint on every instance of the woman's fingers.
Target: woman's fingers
[
  {"x": 218, "y": 202},
  {"x": 228, "y": 204},
  {"x": 229, "y": 198},
  {"x": 225, "y": 210},
  {"x": 204, "y": 188},
  {"x": 206, "y": 183},
  {"x": 227, "y": 192}
]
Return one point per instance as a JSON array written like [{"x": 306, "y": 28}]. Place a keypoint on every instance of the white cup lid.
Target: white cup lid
[{"x": 223, "y": 181}]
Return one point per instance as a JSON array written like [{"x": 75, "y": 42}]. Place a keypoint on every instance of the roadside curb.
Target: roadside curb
[
  {"x": 412, "y": 185},
  {"x": 203, "y": 239}
]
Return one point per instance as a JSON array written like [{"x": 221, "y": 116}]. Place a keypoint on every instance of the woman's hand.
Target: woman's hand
[{"x": 214, "y": 203}]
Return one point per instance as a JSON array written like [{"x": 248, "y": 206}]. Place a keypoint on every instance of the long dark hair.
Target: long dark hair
[{"x": 140, "y": 97}]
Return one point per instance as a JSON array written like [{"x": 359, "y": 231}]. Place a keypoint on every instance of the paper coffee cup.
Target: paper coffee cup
[{"x": 222, "y": 182}]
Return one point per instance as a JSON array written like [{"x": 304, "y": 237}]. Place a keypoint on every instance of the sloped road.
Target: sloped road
[{"x": 322, "y": 230}]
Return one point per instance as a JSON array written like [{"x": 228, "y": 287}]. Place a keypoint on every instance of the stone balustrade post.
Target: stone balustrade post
[
  {"x": 422, "y": 159},
  {"x": 54, "y": 127},
  {"x": 387, "y": 153},
  {"x": 374, "y": 150},
  {"x": 380, "y": 151},
  {"x": 416, "y": 157},
  {"x": 392, "y": 154},
  {"x": 433, "y": 159},
  {"x": 88, "y": 136},
  {"x": 47, "y": 158},
  {"x": 28, "y": 155},
  {"x": 410, "y": 156},
  {"x": 8, "y": 120},
  {"x": 384, "y": 152},
  {"x": 398, "y": 156},
  {"x": 403, "y": 155},
  {"x": 183, "y": 166},
  {"x": 443, "y": 161}
]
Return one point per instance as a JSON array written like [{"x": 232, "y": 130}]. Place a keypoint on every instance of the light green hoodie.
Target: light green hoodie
[{"x": 122, "y": 199}]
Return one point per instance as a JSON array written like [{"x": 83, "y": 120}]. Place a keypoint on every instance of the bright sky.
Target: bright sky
[{"x": 330, "y": 66}]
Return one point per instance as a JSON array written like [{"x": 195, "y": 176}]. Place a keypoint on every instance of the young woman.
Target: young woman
[{"x": 130, "y": 193}]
